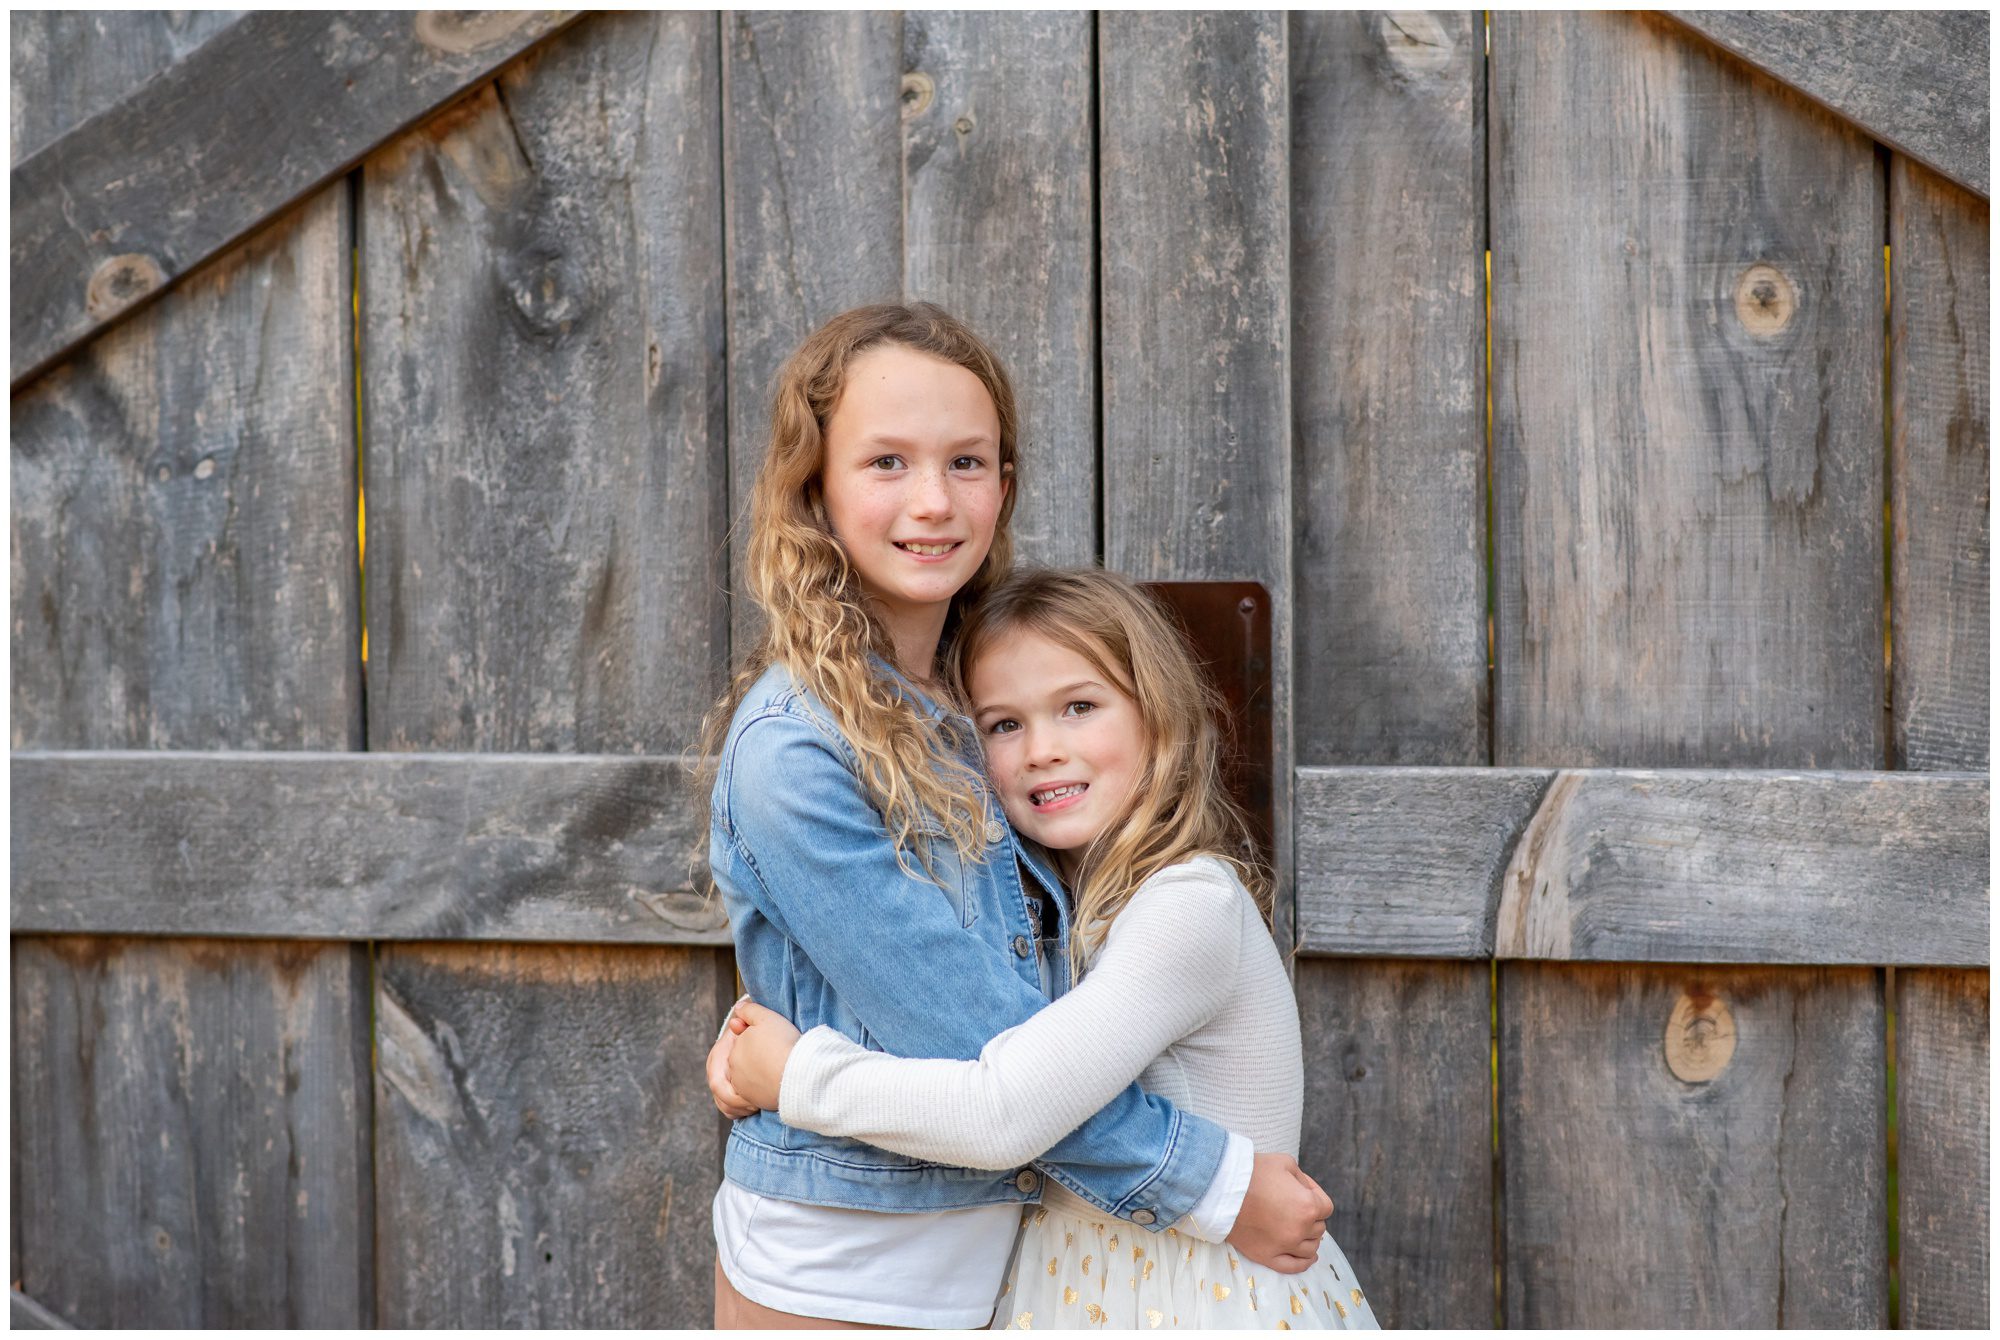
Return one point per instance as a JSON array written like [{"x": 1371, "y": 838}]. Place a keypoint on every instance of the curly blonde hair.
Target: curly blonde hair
[
  {"x": 1179, "y": 807},
  {"x": 818, "y": 623}
]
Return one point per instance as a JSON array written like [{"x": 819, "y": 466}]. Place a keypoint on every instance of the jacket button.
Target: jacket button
[
  {"x": 1021, "y": 946},
  {"x": 994, "y": 832},
  {"x": 1142, "y": 1217},
  {"x": 1026, "y": 1180}
]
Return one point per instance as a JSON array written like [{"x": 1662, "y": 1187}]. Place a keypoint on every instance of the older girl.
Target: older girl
[
  {"x": 872, "y": 886},
  {"x": 1101, "y": 744}
]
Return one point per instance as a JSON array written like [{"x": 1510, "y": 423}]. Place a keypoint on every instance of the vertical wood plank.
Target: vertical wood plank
[
  {"x": 547, "y": 1148},
  {"x": 1194, "y": 150},
  {"x": 67, "y": 65},
  {"x": 813, "y": 209},
  {"x": 1693, "y": 1146},
  {"x": 1687, "y": 354},
  {"x": 1944, "y": 1131},
  {"x": 542, "y": 329},
  {"x": 1398, "y": 1129},
  {"x": 1940, "y": 374},
  {"x": 191, "y": 1131},
  {"x": 1388, "y": 339},
  {"x": 999, "y": 172}
]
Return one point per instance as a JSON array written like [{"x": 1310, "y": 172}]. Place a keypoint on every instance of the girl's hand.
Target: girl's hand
[
  {"x": 1283, "y": 1215},
  {"x": 727, "y": 1101},
  {"x": 756, "y": 1065}
]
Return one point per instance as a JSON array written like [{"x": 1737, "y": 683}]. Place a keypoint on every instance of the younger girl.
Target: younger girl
[{"x": 1101, "y": 744}]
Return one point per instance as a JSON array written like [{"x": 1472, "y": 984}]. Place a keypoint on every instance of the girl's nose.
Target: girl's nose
[
  {"x": 930, "y": 495},
  {"x": 1044, "y": 746}
]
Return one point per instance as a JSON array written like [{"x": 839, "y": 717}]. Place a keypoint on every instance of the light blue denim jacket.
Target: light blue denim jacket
[{"x": 830, "y": 930}]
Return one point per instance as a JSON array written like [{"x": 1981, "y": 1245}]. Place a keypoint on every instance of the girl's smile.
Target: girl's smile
[{"x": 1064, "y": 747}]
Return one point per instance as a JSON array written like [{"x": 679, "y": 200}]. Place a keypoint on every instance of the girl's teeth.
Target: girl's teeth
[
  {"x": 928, "y": 550},
  {"x": 1061, "y": 792}
]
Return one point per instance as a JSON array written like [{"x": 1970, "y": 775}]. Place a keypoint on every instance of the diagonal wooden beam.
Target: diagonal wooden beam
[
  {"x": 1626, "y": 865},
  {"x": 110, "y": 214},
  {"x": 1914, "y": 79},
  {"x": 25, "y": 1314}
]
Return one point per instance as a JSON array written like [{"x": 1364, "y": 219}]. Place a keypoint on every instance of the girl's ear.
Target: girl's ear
[{"x": 1006, "y": 480}]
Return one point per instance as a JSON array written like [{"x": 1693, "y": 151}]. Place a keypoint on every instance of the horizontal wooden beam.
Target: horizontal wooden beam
[
  {"x": 1644, "y": 866},
  {"x": 118, "y": 208},
  {"x": 298, "y": 845},
  {"x": 1914, "y": 79}
]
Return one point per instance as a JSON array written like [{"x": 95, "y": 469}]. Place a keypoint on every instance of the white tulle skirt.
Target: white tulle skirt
[{"x": 1074, "y": 1272}]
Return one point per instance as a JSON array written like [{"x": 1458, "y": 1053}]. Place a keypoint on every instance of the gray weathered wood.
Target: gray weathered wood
[
  {"x": 1944, "y": 1132},
  {"x": 113, "y": 211},
  {"x": 1940, "y": 375},
  {"x": 999, "y": 230},
  {"x": 1689, "y": 1147},
  {"x": 362, "y": 846},
  {"x": 191, "y": 1124},
  {"x": 1398, "y": 1129},
  {"x": 1686, "y": 866},
  {"x": 1916, "y": 80},
  {"x": 25, "y": 1314},
  {"x": 1194, "y": 146},
  {"x": 1388, "y": 326},
  {"x": 1687, "y": 377},
  {"x": 542, "y": 336},
  {"x": 813, "y": 214},
  {"x": 183, "y": 571},
  {"x": 67, "y": 65},
  {"x": 546, "y": 1148}
]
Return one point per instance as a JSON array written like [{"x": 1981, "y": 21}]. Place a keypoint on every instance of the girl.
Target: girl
[
  {"x": 871, "y": 886},
  {"x": 1101, "y": 743}
]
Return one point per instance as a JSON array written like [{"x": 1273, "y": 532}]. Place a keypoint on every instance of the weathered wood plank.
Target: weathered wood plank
[
  {"x": 362, "y": 847},
  {"x": 546, "y": 1147},
  {"x": 25, "y": 1314},
  {"x": 999, "y": 229},
  {"x": 542, "y": 329},
  {"x": 1388, "y": 323},
  {"x": 1687, "y": 364},
  {"x": 1693, "y": 1148},
  {"x": 191, "y": 1124},
  {"x": 1914, "y": 79},
  {"x": 1398, "y": 1129},
  {"x": 67, "y": 65},
  {"x": 1940, "y": 481},
  {"x": 183, "y": 571},
  {"x": 813, "y": 211},
  {"x": 112, "y": 212},
  {"x": 1194, "y": 147},
  {"x": 1685, "y": 866},
  {"x": 1944, "y": 1130}
]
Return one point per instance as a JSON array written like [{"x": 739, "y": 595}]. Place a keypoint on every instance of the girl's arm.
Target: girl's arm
[{"x": 1168, "y": 965}]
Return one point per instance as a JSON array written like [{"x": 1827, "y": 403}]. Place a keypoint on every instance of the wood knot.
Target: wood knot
[
  {"x": 1414, "y": 40},
  {"x": 457, "y": 32},
  {"x": 1765, "y": 300},
  {"x": 1701, "y": 1037},
  {"x": 919, "y": 91},
  {"x": 120, "y": 282}
]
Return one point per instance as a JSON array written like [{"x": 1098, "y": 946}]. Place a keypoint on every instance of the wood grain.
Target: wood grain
[
  {"x": 67, "y": 65},
  {"x": 251, "y": 121},
  {"x": 25, "y": 1314},
  {"x": 1687, "y": 355},
  {"x": 1194, "y": 147},
  {"x": 546, "y": 1147},
  {"x": 1388, "y": 226},
  {"x": 813, "y": 211},
  {"x": 543, "y": 344},
  {"x": 1940, "y": 479},
  {"x": 1752, "y": 1197},
  {"x": 999, "y": 228},
  {"x": 191, "y": 1126},
  {"x": 1398, "y": 1130},
  {"x": 1916, "y": 80},
  {"x": 1944, "y": 1133},
  {"x": 362, "y": 846}
]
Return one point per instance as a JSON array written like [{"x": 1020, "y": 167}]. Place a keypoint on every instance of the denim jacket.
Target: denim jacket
[{"x": 830, "y": 930}]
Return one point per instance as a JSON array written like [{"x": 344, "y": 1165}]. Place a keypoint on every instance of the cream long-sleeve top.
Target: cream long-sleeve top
[{"x": 1186, "y": 994}]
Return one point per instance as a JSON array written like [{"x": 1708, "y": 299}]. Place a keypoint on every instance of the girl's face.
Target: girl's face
[
  {"x": 1064, "y": 747},
  {"x": 912, "y": 478}
]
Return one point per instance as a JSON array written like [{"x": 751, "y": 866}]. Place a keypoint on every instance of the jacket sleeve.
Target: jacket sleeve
[
  {"x": 817, "y": 863},
  {"x": 1168, "y": 965}
]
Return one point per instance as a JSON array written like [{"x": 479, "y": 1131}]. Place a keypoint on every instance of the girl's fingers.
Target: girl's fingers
[
  {"x": 736, "y": 1024},
  {"x": 751, "y": 1013}
]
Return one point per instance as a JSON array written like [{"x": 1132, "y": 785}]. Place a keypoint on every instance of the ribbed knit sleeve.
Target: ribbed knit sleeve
[{"x": 1169, "y": 963}]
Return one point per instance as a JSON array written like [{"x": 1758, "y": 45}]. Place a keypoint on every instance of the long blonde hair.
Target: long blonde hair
[
  {"x": 1179, "y": 808},
  {"x": 818, "y": 623}
]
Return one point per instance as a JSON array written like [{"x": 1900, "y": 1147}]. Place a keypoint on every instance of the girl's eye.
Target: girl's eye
[
  {"x": 968, "y": 463},
  {"x": 1004, "y": 726},
  {"x": 887, "y": 463},
  {"x": 1079, "y": 709}
]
